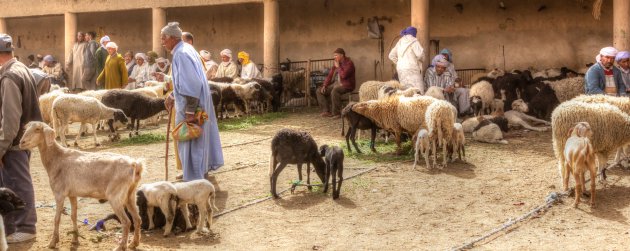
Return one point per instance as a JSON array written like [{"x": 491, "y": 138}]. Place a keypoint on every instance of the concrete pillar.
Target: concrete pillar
[
  {"x": 70, "y": 30},
  {"x": 271, "y": 34},
  {"x": 621, "y": 24},
  {"x": 420, "y": 20},
  {"x": 3, "y": 25},
  {"x": 159, "y": 21}
]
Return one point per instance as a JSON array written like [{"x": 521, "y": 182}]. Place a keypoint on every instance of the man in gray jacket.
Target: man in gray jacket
[{"x": 18, "y": 106}]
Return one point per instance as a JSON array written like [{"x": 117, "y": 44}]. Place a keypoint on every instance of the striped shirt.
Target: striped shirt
[{"x": 432, "y": 79}]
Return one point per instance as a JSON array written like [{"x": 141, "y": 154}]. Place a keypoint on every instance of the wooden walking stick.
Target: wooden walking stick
[{"x": 168, "y": 132}]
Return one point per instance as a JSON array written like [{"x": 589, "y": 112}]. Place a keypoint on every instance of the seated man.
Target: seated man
[
  {"x": 53, "y": 68},
  {"x": 437, "y": 75},
  {"x": 335, "y": 86},
  {"x": 249, "y": 69},
  {"x": 603, "y": 77}
]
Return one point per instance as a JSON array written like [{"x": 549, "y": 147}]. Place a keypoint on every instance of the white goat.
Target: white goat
[
  {"x": 72, "y": 173},
  {"x": 161, "y": 194},
  {"x": 200, "y": 193}
]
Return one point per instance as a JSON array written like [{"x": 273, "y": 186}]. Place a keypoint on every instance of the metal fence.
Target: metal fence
[
  {"x": 466, "y": 75},
  {"x": 301, "y": 89}
]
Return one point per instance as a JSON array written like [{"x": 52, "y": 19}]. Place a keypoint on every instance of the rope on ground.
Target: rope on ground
[
  {"x": 245, "y": 143},
  {"x": 550, "y": 200},
  {"x": 239, "y": 168},
  {"x": 254, "y": 202}
]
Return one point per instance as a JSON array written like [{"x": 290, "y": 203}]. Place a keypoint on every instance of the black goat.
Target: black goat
[
  {"x": 333, "y": 156},
  {"x": 135, "y": 105},
  {"x": 293, "y": 147},
  {"x": 356, "y": 122}
]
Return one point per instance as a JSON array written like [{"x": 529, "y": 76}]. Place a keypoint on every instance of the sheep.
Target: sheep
[
  {"x": 290, "y": 82},
  {"x": 9, "y": 202},
  {"x": 70, "y": 108},
  {"x": 422, "y": 147},
  {"x": 497, "y": 105},
  {"x": 488, "y": 132},
  {"x": 611, "y": 128},
  {"x": 518, "y": 118},
  {"x": 273, "y": 87},
  {"x": 333, "y": 157},
  {"x": 135, "y": 105},
  {"x": 390, "y": 92},
  {"x": 46, "y": 101},
  {"x": 369, "y": 90},
  {"x": 294, "y": 147},
  {"x": 356, "y": 121},
  {"x": 228, "y": 96},
  {"x": 439, "y": 119},
  {"x": 247, "y": 92},
  {"x": 435, "y": 92},
  {"x": 543, "y": 103},
  {"x": 579, "y": 156},
  {"x": 72, "y": 173},
  {"x": 202, "y": 194},
  {"x": 161, "y": 194},
  {"x": 158, "y": 87},
  {"x": 481, "y": 92},
  {"x": 567, "y": 88},
  {"x": 457, "y": 143}
]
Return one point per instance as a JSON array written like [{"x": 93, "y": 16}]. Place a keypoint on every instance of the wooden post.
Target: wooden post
[
  {"x": 308, "y": 83},
  {"x": 70, "y": 32}
]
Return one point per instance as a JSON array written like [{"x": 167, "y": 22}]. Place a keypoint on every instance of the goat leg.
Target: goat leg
[
  {"x": 73, "y": 216},
  {"x": 274, "y": 178},
  {"x": 308, "y": 176}
]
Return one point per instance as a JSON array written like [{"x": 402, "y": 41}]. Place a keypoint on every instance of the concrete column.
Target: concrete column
[
  {"x": 70, "y": 30},
  {"x": 420, "y": 20},
  {"x": 159, "y": 21},
  {"x": 3, "y": 25},
  {"x": 271, "y": 34},
  {"x": 621, "y": 24}
]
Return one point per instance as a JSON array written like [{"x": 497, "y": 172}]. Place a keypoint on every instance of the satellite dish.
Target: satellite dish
[{"x": 375, "y": 30}]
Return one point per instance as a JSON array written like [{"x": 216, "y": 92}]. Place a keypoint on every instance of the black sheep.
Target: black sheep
[
  {"x": 215, "y": 92},
  {"x": 293, "y": 147},
  {"x": 274, "y": 88},
  {"x": 356, "y": 121},
  {"x": 228, "y": 96},
  {"x": 135, "y": 105},
  {"x": 333, "y": 157},
  {"x": 544, "y": 102}
]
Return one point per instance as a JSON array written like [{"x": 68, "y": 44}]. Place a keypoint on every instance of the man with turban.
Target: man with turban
[
  {"x": 227, "y": 68},
  {"x": 408, "y": 56},
  {"x": 211, "y": 66},
  {"x": 162, "y": 65},
  {"x": 249, "y": 69},
  {"x": 603, "y": 77},
  {"x": 438, "y": 75},
  {"x": 140, "y": 73},
  {"x": 114, "y": 75},
  {"x": 190, "y": 94},
  {"x": 623, "y": 63}
]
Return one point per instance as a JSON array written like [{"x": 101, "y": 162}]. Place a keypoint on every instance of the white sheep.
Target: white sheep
[
  {"x": 70, "y": 108},
  {"x": 517, "y": 117},
  {"x": 567, "y": 88},
  {"x": 611, "y": 127},
  {"x": 369, "y": 90},
  {"x": 46, "y": 101},
  {"x": 391, "y": 92},
  {"x": 72, "y": 173},
  {"x": 435, "y": 92},
  {"x": 439, "y": 119},
  {"x": 200, "y": 193},
  {"x": 579, "y": 156},
  {"x": 483, "y": 90},
  {"x": 422, "y": 147},
  {"x": 458, "y": 140},
  {"x": 489, "y": 132},
  {"x": 160, "y": 194}
]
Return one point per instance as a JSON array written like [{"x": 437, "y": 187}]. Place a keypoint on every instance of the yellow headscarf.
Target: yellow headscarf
[{"x": 243, "y": 55}]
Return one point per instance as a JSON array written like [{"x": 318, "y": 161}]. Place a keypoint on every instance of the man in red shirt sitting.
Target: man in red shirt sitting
[{"x": 340, "y": 81}]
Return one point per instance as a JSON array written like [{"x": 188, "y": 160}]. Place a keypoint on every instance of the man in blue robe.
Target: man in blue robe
[{"x": 190, "y": 91}]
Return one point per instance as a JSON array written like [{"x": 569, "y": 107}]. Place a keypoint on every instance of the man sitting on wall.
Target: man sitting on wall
[
  {"x": 340, "y": 80},
  {"x": 437, "y": 75}
]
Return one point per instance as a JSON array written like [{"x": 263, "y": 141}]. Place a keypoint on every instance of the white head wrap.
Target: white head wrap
[
  {"x": 104, "y": 39},
  {"x": 440, "y": 60},
  {"x": 141, "y": 55},
  {"x": 172, "y": 29},
  {"x": 227, "y": 52},
  {"x": 161, "y": 60},
  {"x": 111, "y": 45},
  {"x": 205, "y": 54},
  {"x": 606, "y": 51}
]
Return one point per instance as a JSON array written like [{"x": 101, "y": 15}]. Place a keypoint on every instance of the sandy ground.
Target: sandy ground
[{"x": 390, "y": 208}]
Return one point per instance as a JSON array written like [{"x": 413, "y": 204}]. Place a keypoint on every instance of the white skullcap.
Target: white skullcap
[
  {"x": 111, "y": 45},
  {"x": 172, "y": 29},
  {"x": 227, "y": 52},
  {"x": 608, "y": 51},
  {"x": 205, "y": 54},
  {"x": 141, "y": 55},
  {"x": 104, "y": 39},
  {"x": 161, "y": 60}
]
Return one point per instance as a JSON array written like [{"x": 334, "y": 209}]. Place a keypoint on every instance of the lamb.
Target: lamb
[
  {"x": 457, "y": 143},
  {"x": 482, "y": 92},
  {"x": 290, "y": 82},
  {"x": 135, "y": 105},
  {"x": 439, "y": 118},
  {"x": 202, "y": 194},
  {"x": 70, "y": 108},
  {"x": 579, "y": 156},
  {"x": 161, "y": 194},
  {"x": 72, "y": 173},
  {"x": 518, "y": 118},
  {"x": 435, "y": 92},
  {"x": 9, "y": 202},
  {"x": 611, "y": 128},
  {"x": 294, "y": 147},
  {"x": 488, "y": 132},
  {"x": 422, "y": 147},
  {"x": 356, "y": 121},
  {"x": 333, "y": 156},
  {"x": 369, "y": 90},
  {"x": 98, "y": 94},
  {"x": 567, "y": 88},
  {"x": 46, "y": 101}
]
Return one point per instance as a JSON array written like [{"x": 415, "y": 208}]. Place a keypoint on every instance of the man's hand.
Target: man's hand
[
  {"x": 336, "y": 63},
  {"x": 169, "y": 102}
]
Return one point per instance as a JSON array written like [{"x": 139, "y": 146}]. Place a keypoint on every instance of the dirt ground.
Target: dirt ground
[{"x": 390, "y": 208}]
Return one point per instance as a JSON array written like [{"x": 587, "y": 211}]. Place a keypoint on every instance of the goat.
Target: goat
[
  {"x": 579, "y": 156},
  {"x": 200, "y": 193},
  {"x": 333, "y": 156}
]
